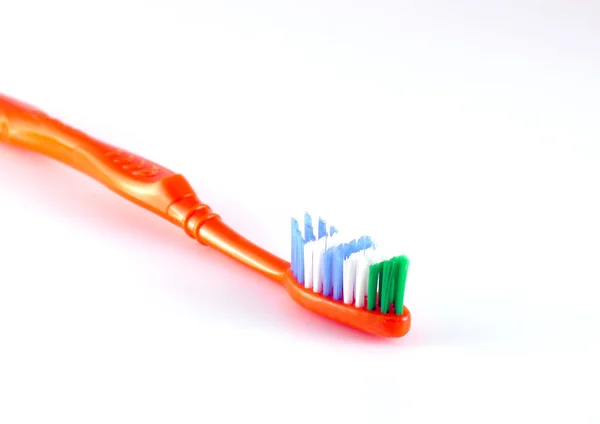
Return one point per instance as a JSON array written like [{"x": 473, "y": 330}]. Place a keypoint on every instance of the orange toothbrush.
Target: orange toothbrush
[{"x": 170, "y": 196}]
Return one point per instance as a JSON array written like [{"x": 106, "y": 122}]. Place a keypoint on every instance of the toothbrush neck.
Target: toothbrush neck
[{"x": 202, "y": 224}]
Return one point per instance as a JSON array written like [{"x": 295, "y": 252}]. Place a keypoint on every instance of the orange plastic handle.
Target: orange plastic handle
[
  {"x": 170, "y": 196},
  {"x": 141, "y": 181}
]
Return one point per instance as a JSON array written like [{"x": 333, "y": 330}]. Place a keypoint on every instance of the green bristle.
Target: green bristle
[
  {"x": 380, "y": 285},
  {"x": 393, "y": 281},
  {"x": 401, "y": 274},
  {"x": 387, "y": 282},
  {"x": 372, "y": 289},
  {"x": 384, "y": 298}
]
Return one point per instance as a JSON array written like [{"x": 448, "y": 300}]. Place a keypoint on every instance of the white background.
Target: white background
[{"x": 465, "y": 136}]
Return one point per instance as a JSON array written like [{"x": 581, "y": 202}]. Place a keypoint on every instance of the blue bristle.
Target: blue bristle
[
  {"x": 309, "y": 233},
  {"x": 300, "y": 245},
  {"x": 345, "y": 250},
  {"x": 332, "y": 263},
  {"x": 354, "y": 246},
  {"x": 294, "y": 248},
  {"x": 337, "y": 271},
  {"x": 350, "y": 248},
  {"x": 297, "y": 252},
  {"x": 322, "y": 228},
  {"x": 327, "y": 267},
  {"x": 364, "y": 243}
]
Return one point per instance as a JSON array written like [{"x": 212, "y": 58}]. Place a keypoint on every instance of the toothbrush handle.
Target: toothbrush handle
[{"x": 158, "y": 189}]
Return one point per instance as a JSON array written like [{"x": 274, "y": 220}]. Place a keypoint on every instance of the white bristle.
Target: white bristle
[
  {"x": 349, "y": 278},
  {"x": 308, "y": 264},
  {"x": 334, "y": 240},
  {"x": 318, "y": 251},
  {"x": 362, "y": 281},
  {"x": 373, "y": 256}
]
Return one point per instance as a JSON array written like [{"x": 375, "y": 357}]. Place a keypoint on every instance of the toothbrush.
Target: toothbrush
[{"x": 345, "y": 280}]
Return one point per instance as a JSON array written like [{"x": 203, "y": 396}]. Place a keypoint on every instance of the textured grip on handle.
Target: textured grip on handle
[{"x": 133, "y": 177}]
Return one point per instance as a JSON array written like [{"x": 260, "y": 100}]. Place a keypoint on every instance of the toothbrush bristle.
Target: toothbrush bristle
[{"x": 352, "y": 271}]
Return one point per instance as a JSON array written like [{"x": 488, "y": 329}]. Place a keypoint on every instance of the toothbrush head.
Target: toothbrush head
[{"x": 348, "y": 280}]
